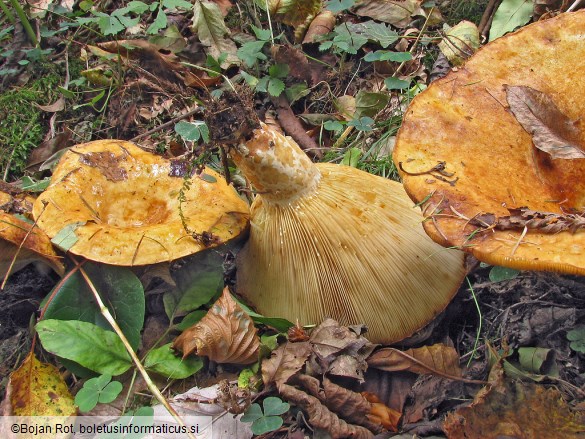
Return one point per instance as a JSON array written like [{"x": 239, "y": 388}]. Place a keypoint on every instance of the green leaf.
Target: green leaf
[
  {"x": 280, "y": 324},
  {"x": 388, "y": 55},
  {"x": 189, "y": 320},
  {"x": 266, "y": 424},
  {"x": 296, "y": 92},
  {"x": 86, "y": 399},
  {"x": 110, "y": 25},
  {"x": 362, "y": 124},
  {"x": 279, "y": 70},
  {"x": 352, "y": 157},
  {"x": 86, "y": 344},
  {"x": 274, "y": 406},
  {"x": 275, "y": 87},
  {"x": 251, "y": 52},
  {"x": 110, "y": 392},
  {"x": 577, "y": 338},
  {"x": 160, "y": 22},
  {"x": 396, "y": 84},
  {"x": 198, "y": 281},
  {"x": 262, "y": 34},
  {"x": 510, "y": 15},
  {"x": 339, "y": 5},
  {"x": 253, "y": 413},
  {"x": 177, "y": 4},
  {"x": 377, "y": 32},
  {"x": 163, "y": 361},
  {"x": 66, "y": 237},
  {"x": 118, "y": 287},
  {"x": 498, "y": 274},
  {"x": 537, "y": 360},
  {"x": 333, "y": 125},
  {"x": 192, "y": 131},
  {"x": 370, "y": 103},
  {"x": 252, "y": 81},
  {"x": 136, "y": 7},
  {"x": 28, "y": 184}
]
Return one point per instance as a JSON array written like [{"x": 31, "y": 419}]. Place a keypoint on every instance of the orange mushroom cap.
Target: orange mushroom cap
[
  {"x": 122, "y": 204},
  {"x": 493, "y": 182}
]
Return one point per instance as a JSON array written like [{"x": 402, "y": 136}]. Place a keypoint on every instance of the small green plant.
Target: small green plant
[
  {"x": 98, "y": 390},
  {"x": 498, "y": 274},
  {"x": 577, "y": 338},
  {"x": 192, "y": 131},
  {"x": 269, "y": 419}
]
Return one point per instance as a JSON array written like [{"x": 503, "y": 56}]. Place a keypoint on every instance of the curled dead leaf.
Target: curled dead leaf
[
  {"x": 226, "y": 334},
  {"x": 438, "y": 359},
  {"x": 322, "y": 24}
]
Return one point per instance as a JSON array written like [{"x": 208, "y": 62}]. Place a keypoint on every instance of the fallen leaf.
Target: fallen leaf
[
  {"x": 108, "y": 163},
  {"x": 295, "y": 59},
  {"x": 510, "y": 408},
  {"x": 209, "y": 26},
  {"x": 37, "y": 389},
  {"x": 322, "y": 24},
  {"x": 438, "y": 359},
  {"x": 226, "y": 334},
  {"x": 293, "y": 12},
  {"x": 398, "y": 13},
  {"x": 56, "y": 106},
  {"x": 460, "y": 42},
  {"x": 285, "y": 361},
  {"x": 551, "y": 130},
  {"x": 510, "y": 15}
]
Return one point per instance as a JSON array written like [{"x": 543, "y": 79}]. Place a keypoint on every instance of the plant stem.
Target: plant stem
[
  {"x": 25, "y": 22},
  {"x": 6, "y": 11},
  {"x": 108, "y": 316}
]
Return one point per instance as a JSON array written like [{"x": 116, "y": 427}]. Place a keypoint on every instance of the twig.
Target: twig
[
  {"x": 575, "y": 5},
  {"x": 488, "y": 15}
]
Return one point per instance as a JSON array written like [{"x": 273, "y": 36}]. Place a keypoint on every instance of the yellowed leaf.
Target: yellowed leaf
[
  {"x": 37, "y": 389},
  {"x": 226, "y": 334},
  {"x": 438, "y": 359},
  {"x": 460, "y": 42}
]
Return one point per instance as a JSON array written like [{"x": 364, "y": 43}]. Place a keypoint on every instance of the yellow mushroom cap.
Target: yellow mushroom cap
[
  {"x": 465, "y": 121},
  {"x": 123, "y": 206},
  {"x": 344, "y": 244}
]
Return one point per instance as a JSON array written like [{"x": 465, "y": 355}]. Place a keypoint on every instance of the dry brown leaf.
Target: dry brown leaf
[
  {"x": 437, "y": 359},
  {"x": 56, "y": 106},
  {"x": 37, "y": 389},
  {"x": 295, "y": 59},
  {"x": 339, "y": 350},
  {"x": 285, "y": 361},
  {"x": 224, "y": 6},
  {"x": 108, "y": 163},
  {"x": 293, "y": 12},
  {"x": 515, "y": 409},
  {"x": 226, "y": 334},
  {"x": 397, "y": 13},
  {"x": 320, "y": 417},
  {"x": 551, "y": 130},
  {"x": 322, "y": 24}
]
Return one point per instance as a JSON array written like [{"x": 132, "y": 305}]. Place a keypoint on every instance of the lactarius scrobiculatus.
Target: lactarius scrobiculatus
[
  {"x": 496, "y": 150},
  {"x": 329, "y": 240},
  {"x": 121, "y": 205}
]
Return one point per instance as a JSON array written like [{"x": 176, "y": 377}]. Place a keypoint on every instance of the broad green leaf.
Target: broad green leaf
[
  {"x": 85, "y": 343},
  {"x": 119, "y": 289},
  {"x": 110, "y": 25},
  {"x": 274, "y": 406},
  {"x": 110, "y": 392},
  {"x": 28, "y": 184},
  {"x": 173, "y": 4},
  {"x": 163, "y": 361},
  {"x": 198, "y": 281},
  {"x": 189, "y": 320},
  {"x": 209, "y": 26},
  {"x": 498, "y": 274},
  {"x": 280, "y": 324},
  {"x": 253, "y": 413},
  {"x": 279, "y": 70},
  {"x": 275, "y": 87},
  {"x": 333, "y": 125},
  {"x": 339, "y": 5},
  {"x": 251, "y": 52},
  {"x": 577, "y": 338},
  {"x": 510, "y": 15},
  {"x": 252, "y": 81},
  {"x": 262, "y": 34},
  {"x": 370, "y": 103},
  {"x": 377, "y": 32},
  {"x": 86, "y": 399},
  {"x": 396, "y": 84},
  {"x": 266, "y": 424},
  {"x": 537, "y": 360}
]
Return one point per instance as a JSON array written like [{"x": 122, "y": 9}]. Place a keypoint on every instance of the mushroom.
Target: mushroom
[
  {"x": 120, "y": 204},
  {"x": 470, "y": 158},
  {"x": 329, "y": 240}
]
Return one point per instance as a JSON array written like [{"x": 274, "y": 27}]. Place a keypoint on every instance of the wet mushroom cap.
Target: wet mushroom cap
[
  {"x": 122, "y": 205},
  {"x": 333, "y": 241},
  {"x": 492, "y": 169}
]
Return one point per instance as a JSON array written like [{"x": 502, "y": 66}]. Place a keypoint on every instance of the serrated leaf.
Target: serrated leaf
[
  {"x": 85, "y": 343},
  {"x": 279, "y": 70},
  {"x": 510, "y": 15},
  {"x": 163, "y": 360},
  {"x": 377, "y": 32},
  {"x": 275, "y": 87},
  {"x": 251, "y": 52},
  {"x": 262, "y": 34}
]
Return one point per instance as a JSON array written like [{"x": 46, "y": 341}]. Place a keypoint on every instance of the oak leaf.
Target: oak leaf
[
  {"x": 226, "y": 334},
  {"x": 551, "y": 130}
]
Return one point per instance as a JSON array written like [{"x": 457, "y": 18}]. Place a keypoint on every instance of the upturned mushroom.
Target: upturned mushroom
[
  {"x": 329, "y": 240},
  {"x": 121, "y": 205},
  {"x": 496, "y": 150}
]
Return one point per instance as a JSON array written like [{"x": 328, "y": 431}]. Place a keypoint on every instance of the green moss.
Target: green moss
[{"x": 22, "y": 122}]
